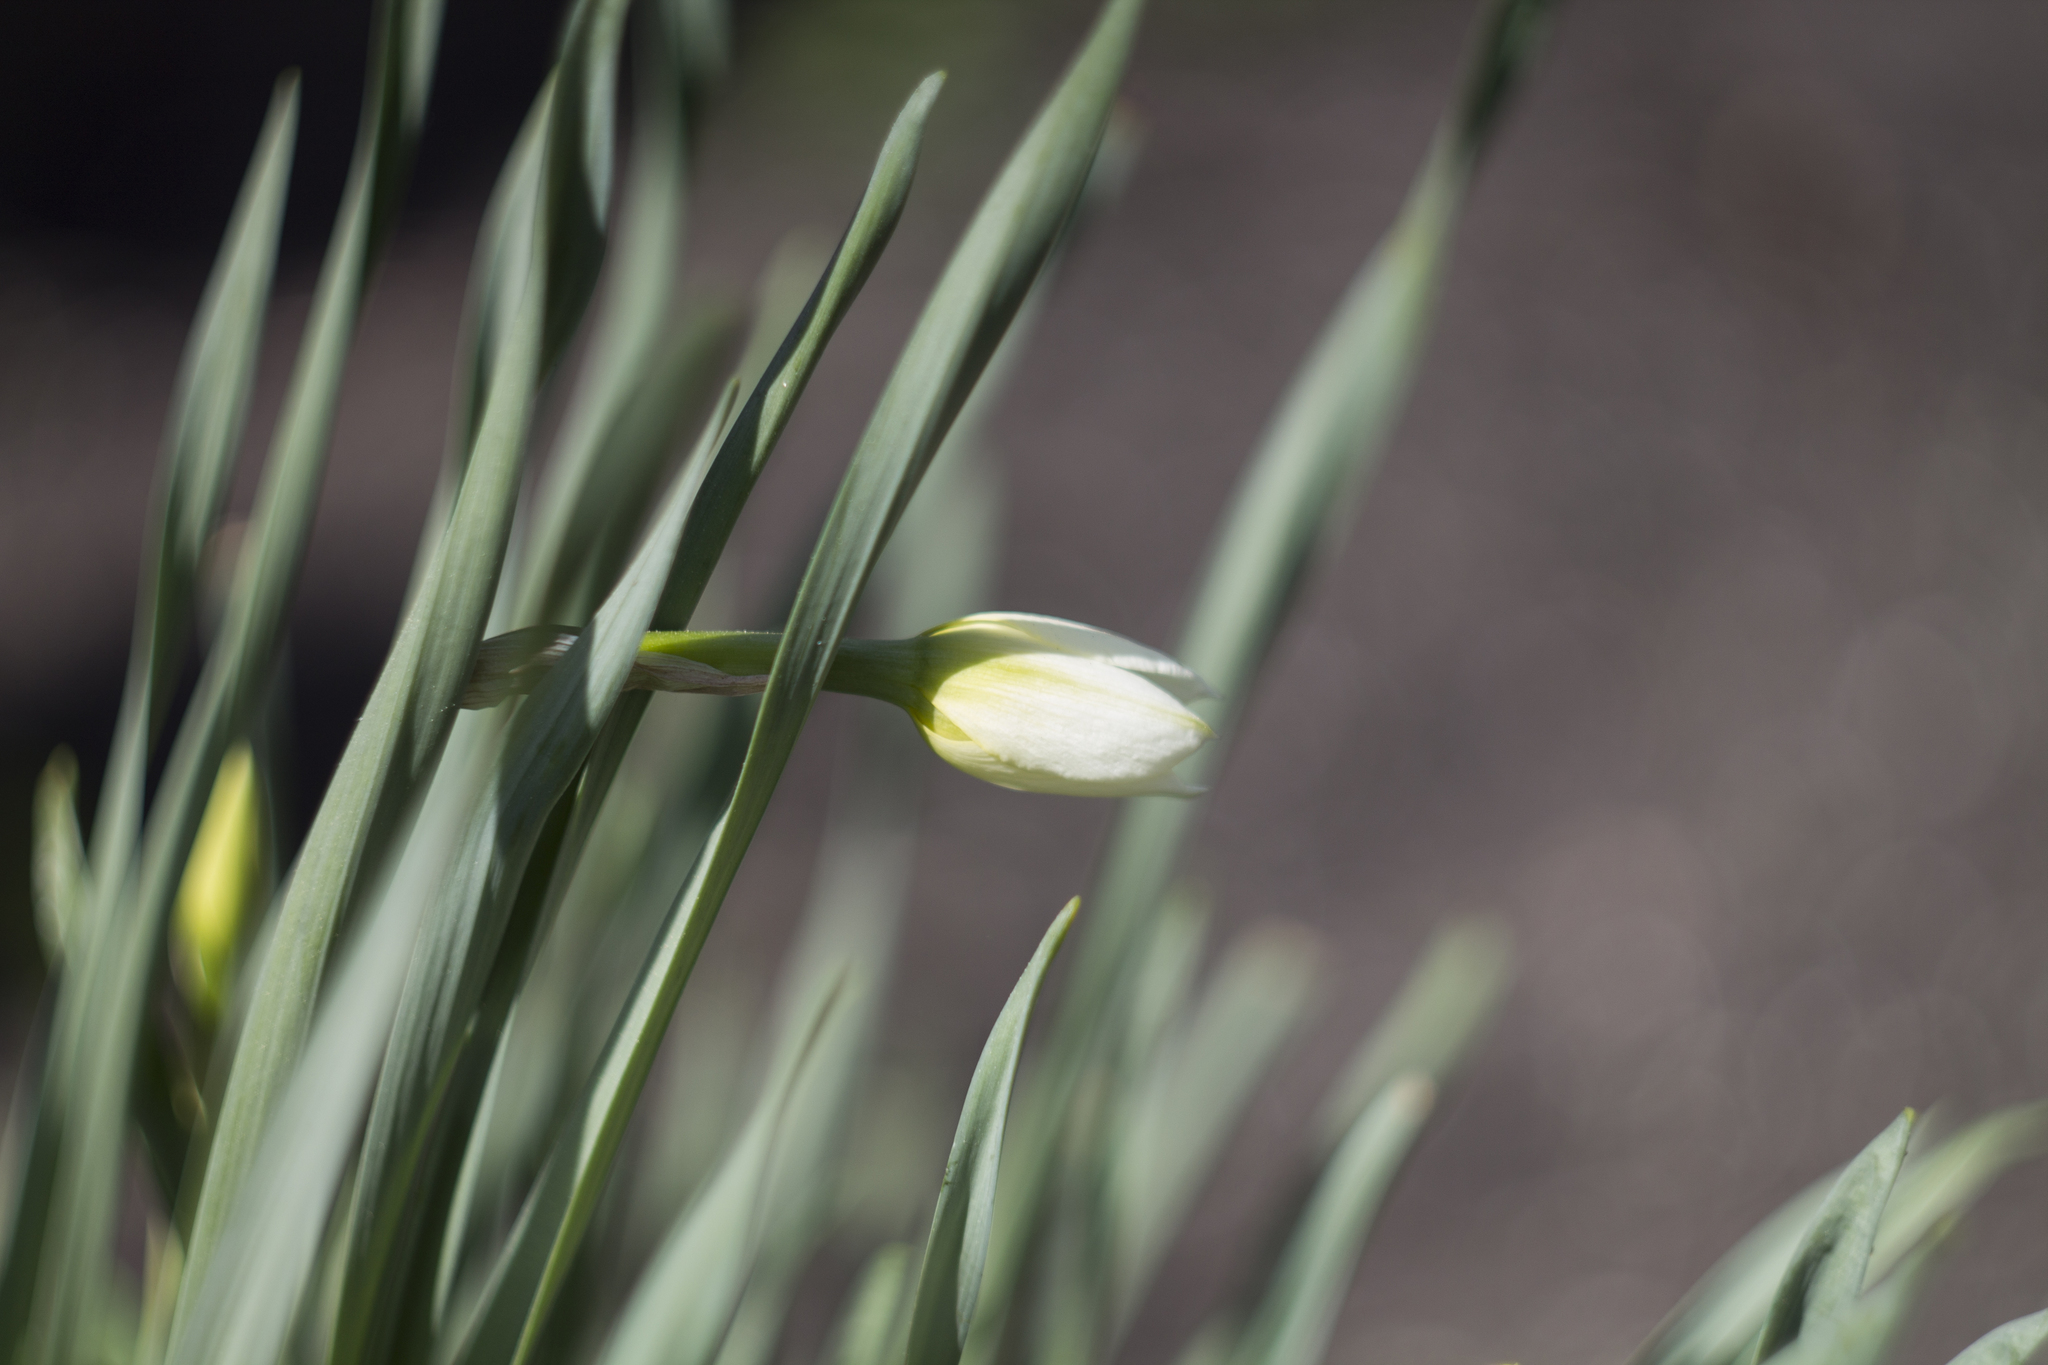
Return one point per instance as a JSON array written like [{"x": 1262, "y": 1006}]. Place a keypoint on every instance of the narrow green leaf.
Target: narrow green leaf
[
  {"x": 1190, "y": 1100},
  {"x": 238, "y": 1309},
  {"x": 1826, "y": 1273},
  {"x": 78, "y": 1129},
  {"x": 531, "y": 1267},
  {"x": 639, "y": 382},
  {"x": 760, "y": 424},
  {"x": 875, "y": 1309},
  {"x": 1941, "y": 1185},
  {"x": 528, "y": 913},
  {"x": 684, "y": 1302},
  {"x": 1294, "y": 1322},
  {"x": 209, "y": 407},
  {"x": 1312, "y": 465},
  {"x": 983, "y": 285},
  {"x": 949, "y": 1283},
  {"x": 1861, "y": 1331},
  {"x": 100, "y": 1010},
  {"x": 859, "y": 891},
  {"x": 2016, "y": 1343},
  {"x": 1165, "y": 976},
  {"x": 1720, "y": 1318},
  {"x": 546, "y": 743},
  {"x": 780, "y": 293},
  {"x": 407, "y": 720},
  {"x": 1443, "y": 1007}
]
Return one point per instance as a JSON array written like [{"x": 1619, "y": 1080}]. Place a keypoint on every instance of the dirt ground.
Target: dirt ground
[{"x": 1698, "y": 626}]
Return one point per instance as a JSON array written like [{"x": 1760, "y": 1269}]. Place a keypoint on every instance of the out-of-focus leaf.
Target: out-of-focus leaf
[
  {"x": 1946, "y": 1181},
  {"x": 633, "y": 448},
  {"x": 1292, "y": 1325},
  {"x": 1311, "y": 466},
  {"x": 973, "y": 303},
  {"x": 684, "y": 1302},
  {"x": 59, "y": 871},
  {"x": 643, "y": 377},
  {"x": 531, "y": 1268},
  {"x": 558, "y": 185},
  {"x": 1185, "y": 1107},
  {"x": 1826, "y": 1272},
  {"x": 544, "y": 746},
  {"x": 1165, "y": 975},
  {"x": 849, "y": 932},
  {"x": 1860, "y": 1331},
  {"x": 1444, "y": 1005},
  {"x": 1720, "y": 1318},
  {"x": 2015, "y": 1343},
  {"x": 240, "y": 1312},
  {"x": 1210, "y": 1346},
  {"x": 1722, "y": 1315},
  {"x": 100, "y": 1010},
  {"x": 209, "y": 407},
  {"x": 875, "y": 1308},
  {"x": 949, "y": 1282}
]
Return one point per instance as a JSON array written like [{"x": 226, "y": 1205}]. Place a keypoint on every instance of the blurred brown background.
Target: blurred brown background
[{"x": 1698, "y": 625}]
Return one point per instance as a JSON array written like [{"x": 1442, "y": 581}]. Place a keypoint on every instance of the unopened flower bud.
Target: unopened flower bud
[{"x": 222, "y": 887}]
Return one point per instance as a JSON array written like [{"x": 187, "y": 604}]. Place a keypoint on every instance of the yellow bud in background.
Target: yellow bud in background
[{"x": 223, "y": 883}]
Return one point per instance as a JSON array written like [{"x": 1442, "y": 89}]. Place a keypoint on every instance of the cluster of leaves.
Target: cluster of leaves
[{"x": 399, "y": 1132}]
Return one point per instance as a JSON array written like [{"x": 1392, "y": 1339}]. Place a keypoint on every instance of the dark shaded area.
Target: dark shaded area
[
  {"x": 129, "y": 124},
  {"x": 1698, "y": 624}
]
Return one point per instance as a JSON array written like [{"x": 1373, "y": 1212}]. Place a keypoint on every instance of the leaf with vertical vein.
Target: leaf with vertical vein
[
  {"x": 983, "y": 285},
  {"x": 949, "y": 1283},
  {"x": 683, "y": 1304},
  {"x": 1861, "y": 1330},
  {"x": 1314, "y": 461},
  {"x": 1827, "y": 1270},
  {"x": 405, "y": 724},
  {"x": 1183, "y": 1108},
  {"x": 529, "y": 1270},
  {"x": 543, "y": 748},
  {"x": 209, "y": 407},
  {"x": 1718, "y": 1320},
  {"x": 100, "y": 1008},
  {"x": 1294, "y": 1322}
]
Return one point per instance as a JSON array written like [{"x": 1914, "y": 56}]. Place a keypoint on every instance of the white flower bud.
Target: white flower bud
[
  {"x": 1032, "y": 703},
  {"x": 1043, "y": 705}
]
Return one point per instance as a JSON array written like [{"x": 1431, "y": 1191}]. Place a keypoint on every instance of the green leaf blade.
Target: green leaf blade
[
  {"x": 1294, "y": 1323},
  {"x": 1827, "y": 1271},
  {"x": 680, "y": 1310},
  {"x": 949, "y": 1284}
]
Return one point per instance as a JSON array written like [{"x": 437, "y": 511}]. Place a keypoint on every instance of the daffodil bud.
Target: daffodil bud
[
  {"x": 222, "y": 885},
  {"x": 1039, "y": 704},
  {"x": 1028, "y": 702}
]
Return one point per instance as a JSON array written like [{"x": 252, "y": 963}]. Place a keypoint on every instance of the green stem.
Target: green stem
[{"x": 881, "y": 669}]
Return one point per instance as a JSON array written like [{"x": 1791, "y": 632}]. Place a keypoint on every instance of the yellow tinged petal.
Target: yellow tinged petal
[{"x": 221, "y": 884}]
